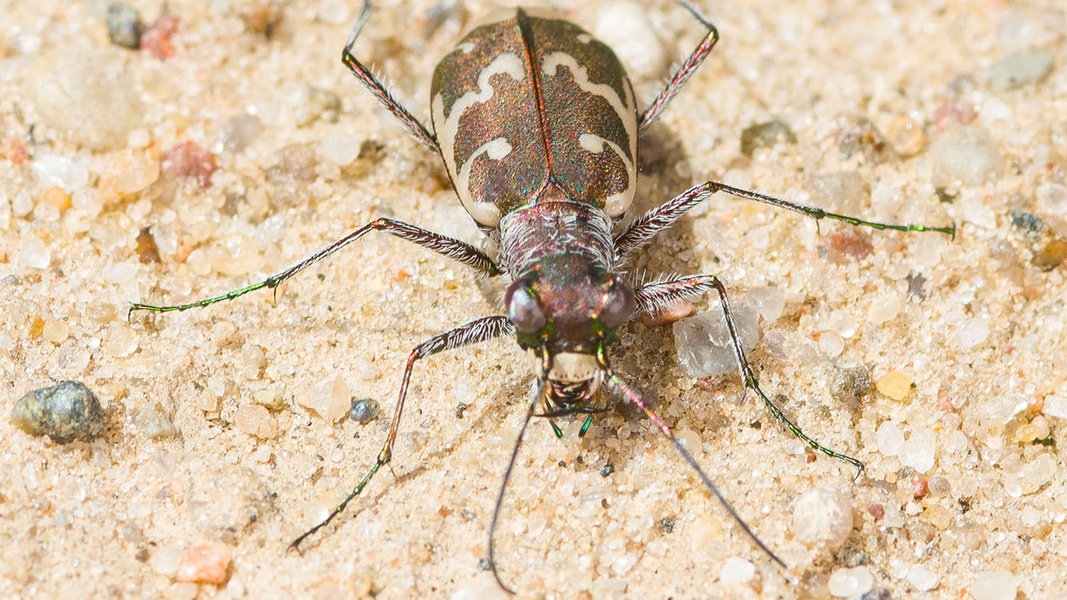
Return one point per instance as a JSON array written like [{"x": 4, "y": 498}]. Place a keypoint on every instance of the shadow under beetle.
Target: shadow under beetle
[{"x": 537, "y": 125}]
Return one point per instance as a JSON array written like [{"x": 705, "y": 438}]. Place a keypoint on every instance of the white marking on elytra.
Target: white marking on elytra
[
  {"x": 615, "y": 204},
  {"x": 623, "y": 107},
  {"x": 466, "y": 47},
  {"x": 446, "y": 128},
  {"x": 485, "y": 213},
  {"x": 584, "y": 38}
]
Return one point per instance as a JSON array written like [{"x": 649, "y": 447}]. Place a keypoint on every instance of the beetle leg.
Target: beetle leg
[
  {"x": 684, "y": 72},
  {"x": 473, "y": 332},
  {"x": 376, "y": 87},
  {"x": 447, "y": 246},
  {"x": 645, "y": 227},
  {"x": 653, "y": 295}
]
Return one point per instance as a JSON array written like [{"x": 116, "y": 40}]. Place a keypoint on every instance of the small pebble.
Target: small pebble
[
  {"x": 995, "y": 585},
  {"x": 240, "y": 131},
  {"x": 894, "y": 385},
  {"x": 1051, "y": 255},
  {"x": 846, "y": 191},
  {"x": 65, "y": 412},
  {"x": 922, "y": 578},
  {"x": 256, "y": 421},
  {"x": 953, "y": 113},
  {"x": 889, "y": 439},
  {"x": 736, "y": 570},
  {"x": 205, "y": 564},
  {"x": 57, "y": 170},
  {"x": 765, "y": 135},
  {"x": 906, "y": 136},
  {"x": 822, "y": 517},
  {"x": 849, "y": 583},
  {"x": 830, "y": 344},
  {"x": 297, "y": 161},
  {"x": 261, "y": 17},
  {"x": 341, "y": 149},
  {"x": 972, "y": 333},
  {"x": 1032, "y": 477},
  {"x": 769, "y": 301},
  {"x": 316, "y": 103},
  {"x": 1021, "y": 69},
  {"x": 239, "y": 255},
  {"x": 147, "y": 250},
  {"x": 849, "y": 385},
  {"x": 33, "y": 253},
  {"x": 920, "y": 450},
  {"x": 127, "y": 172},
  {"x": 703, "y": 344},
  {"x": 966, "y": 155},
  {"x": 189, "y": 159},
  {"x": 885, "y": 308},
  {"x": 364, "y": 410},
  {"x": 920, "y": 486},
  {"x": 1055, "y": 406},
  {"x": 940, "y": 486},
  {"x": 622, "y": 565},
  {"x": 14, "y": 150},
  {"x": 56, "y": 331},
  {"x": 156, "y": 39},
  {"x": 331, "y": 400},
  {"x": 91, "y": 97},
  {"x": 154, "y": 423},
  {"x": 121, "y": 342},
  {"x": 56, "y": 197},
  {"x": 863, "y": 137},
  {"x": 1032, "y": 224},
  {"x": 124, "y": 25},
  {"x": 165, "y": 560}
]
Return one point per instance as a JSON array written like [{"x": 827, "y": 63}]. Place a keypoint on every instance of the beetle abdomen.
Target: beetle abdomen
[{"x": 531, "y": 108}]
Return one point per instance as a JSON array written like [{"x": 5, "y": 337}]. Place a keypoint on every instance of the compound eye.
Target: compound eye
[
  {"x": 524, "y": 311},
  {"x": 618, "y": 304}
]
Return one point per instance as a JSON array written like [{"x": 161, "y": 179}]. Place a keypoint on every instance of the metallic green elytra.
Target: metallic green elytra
[{"x": 533, "y": 109}]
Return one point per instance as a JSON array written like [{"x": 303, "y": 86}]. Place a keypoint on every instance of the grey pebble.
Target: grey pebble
[
  {"x": 65, "y": 412},
  {"x": 1020, "y": 69}
]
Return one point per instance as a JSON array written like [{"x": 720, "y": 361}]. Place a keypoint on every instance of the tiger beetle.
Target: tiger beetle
[{"x": 537, "y": 126}]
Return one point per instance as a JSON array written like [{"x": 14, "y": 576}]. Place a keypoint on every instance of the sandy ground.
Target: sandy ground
[{"x": 226, "y": 425}]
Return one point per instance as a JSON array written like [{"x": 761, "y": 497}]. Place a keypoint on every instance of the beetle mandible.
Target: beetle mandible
[{"x": 537, "y": 126}]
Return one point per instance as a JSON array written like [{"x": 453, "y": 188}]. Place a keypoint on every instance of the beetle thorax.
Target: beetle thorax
[{"x": 555, "y": 228}]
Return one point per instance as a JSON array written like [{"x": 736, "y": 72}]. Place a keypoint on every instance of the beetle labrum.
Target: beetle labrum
[{"x": 537, "y": 125}]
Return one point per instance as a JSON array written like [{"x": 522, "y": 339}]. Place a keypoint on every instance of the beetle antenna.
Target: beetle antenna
[
  {"x": 542, "y": 378},
  {"x": 634, "y": 397}
]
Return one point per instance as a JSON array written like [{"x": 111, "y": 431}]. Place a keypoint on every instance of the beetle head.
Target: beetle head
[
  {"x": 569, "y": 305},
  {"x": 565, "y": 310}
]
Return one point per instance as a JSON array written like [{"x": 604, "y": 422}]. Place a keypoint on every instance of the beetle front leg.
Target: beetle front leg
[
  {"x": 376, "y": 87},
  {"x": 645, "y": 227},
  {"x": 478, "y": 330},
  {"x": 442, "y": 244},
  {"x": 653, "y": 295}
]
